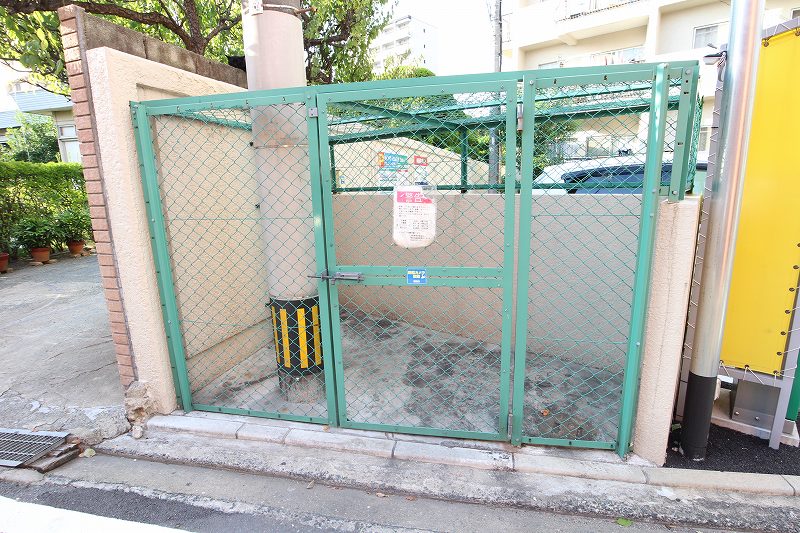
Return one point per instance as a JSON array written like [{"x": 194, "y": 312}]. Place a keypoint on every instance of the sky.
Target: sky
[{"x": 464, "y": 32}]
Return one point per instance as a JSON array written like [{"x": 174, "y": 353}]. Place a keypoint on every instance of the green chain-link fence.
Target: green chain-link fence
[{"x": 297, "y": 282}]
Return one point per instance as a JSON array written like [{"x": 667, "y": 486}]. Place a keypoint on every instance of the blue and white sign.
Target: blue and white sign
[{"x": 417, "y": 276}]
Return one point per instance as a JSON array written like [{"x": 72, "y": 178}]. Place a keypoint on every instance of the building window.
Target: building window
[
  {"x": 67, "y": 131},
  {"x": 633, "y": 54},
  {"x": 795, "y": 13},
  {"x": 68, "y": 143},
  {"x": 703, "y": 138},
  {"x": 706, "y": 35}
]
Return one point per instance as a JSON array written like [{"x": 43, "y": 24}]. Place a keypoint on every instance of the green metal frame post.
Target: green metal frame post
[
  {"x": 687, "y": 105},
  {"x": 644, "y": 255},
  {"x": 524, "y": 254},
  {"x": 159, "y": 243}
]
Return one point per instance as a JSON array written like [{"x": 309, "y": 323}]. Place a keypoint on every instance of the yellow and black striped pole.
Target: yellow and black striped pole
[{"x": 297, "y": 336}]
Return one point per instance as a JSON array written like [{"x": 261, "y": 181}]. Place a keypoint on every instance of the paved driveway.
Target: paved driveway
[{"x": 57, "y": 364}]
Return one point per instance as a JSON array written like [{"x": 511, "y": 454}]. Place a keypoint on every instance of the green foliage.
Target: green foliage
[
  {"x": 35, "y": 232},
  {"x": 35, "y": 141},
  {"x": 34, "y": 40},
  {"x": 337, "y": 34},
  {"x": 36, "y": 190},
  {"x": 403, "y": 72},
  {"x": 332, "y": 58},
  {"x": 74, "y": 224}
]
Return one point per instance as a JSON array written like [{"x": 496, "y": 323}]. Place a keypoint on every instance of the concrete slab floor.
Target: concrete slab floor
[
  {"x": 398, "y": 373},
  {"x": 58, "y": 368}
]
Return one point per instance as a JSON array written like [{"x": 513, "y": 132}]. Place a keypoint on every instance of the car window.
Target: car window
[{"x": 615, "y": 179}]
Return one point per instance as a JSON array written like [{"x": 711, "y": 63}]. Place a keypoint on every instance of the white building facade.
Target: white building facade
[
  {"x": 405, "y": 37},
  {"x": 18, "y": 96},
  {"x": 577, "y": 33}
]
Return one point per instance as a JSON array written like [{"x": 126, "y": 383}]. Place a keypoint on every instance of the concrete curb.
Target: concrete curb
[
  {"x": 494, "y": 487},
  {"x": 601, "y": 466}
]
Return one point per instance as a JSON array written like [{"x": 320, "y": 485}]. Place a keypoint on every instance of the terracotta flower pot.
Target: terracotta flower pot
[
  {"x": 3, "y": 262},
  {"x": 41, "y": 255},
  {"x": 75, "y": 247}
]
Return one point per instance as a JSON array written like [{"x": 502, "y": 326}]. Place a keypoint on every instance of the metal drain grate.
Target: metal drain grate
[{"x": 18, "y": 446}]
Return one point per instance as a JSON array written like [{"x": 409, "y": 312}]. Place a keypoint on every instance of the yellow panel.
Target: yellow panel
[
  {"x": 767, "y": 248},
  {"x": 315, "y": 328},
  {"x": 301, "y": 331},
  {"x": 287, "y": 358}
]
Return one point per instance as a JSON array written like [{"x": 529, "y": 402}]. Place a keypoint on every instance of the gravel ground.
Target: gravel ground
[{"x": 732, "y": 451}]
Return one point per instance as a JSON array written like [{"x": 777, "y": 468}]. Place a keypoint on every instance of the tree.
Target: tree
[
  {"x": 337, "y": 33},
  {"x": 337, "y": 36},
  {"x": 396, "y": 70},
  {"x": 34, "y": 141}
]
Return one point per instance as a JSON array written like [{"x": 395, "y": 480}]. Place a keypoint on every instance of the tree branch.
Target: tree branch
[
  {"x": 345, "y": 30},
  {"x": 222, "y": 26},
  {"x": 150, "y": 18}
]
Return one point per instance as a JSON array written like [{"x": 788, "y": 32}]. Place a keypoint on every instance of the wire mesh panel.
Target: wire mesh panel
[
  {"x": 347, "y": 254},
  {"x": 583, "y": 232},
  {"x": 424, "y": 336},
  {"x": 235, "y": 191}
]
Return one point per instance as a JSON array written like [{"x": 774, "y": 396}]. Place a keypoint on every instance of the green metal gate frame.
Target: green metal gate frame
[
  {"x": 651, "y": 190},
  {"x": 439, "y": 276},
  {"x": 317, "y": 97}
]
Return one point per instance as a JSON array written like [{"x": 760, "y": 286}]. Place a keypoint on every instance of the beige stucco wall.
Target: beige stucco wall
[
  {"x": 116, "y": 80},
  {"x": 671, "y": 279},
  {"x": 677, "y": 27},
  {"x": 210, "y": 200},
  {"x": 531, "y": 59}
]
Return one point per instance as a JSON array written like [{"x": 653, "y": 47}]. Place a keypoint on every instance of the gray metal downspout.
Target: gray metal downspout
[{"x": 725, "y": 201}]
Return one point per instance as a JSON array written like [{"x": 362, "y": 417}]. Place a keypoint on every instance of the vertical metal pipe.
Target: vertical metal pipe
[
  {"x": 464, "y": 161},
  {"x": 724, "y": 204},
  {"x": 494, "y": 141}
]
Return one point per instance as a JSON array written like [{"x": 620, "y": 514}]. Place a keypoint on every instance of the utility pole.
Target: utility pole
[
  {"x": 494, "y": 142},
  {"x": 273, "y": 46},
  {"x": 727, "y": 183},
  {"x": 498, "y": 35}
]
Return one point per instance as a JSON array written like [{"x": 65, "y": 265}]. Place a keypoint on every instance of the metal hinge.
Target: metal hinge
[
  {"x": 338, "y": 276},
  {"x": 313, "y": 112}
]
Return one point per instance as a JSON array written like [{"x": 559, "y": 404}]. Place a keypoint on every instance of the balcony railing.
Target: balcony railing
[{"x": 570, "y": 9}]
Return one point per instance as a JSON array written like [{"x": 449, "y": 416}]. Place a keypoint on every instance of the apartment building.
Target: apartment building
[
  {"x": 403, "y": 36},
  {"x": 574, "y": 33}
]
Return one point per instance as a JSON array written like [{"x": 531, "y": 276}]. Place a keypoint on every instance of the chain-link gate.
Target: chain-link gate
[
  {"x": 422, "y": 341},
  {"x": 229, "y": 188},
  {"x": 287, "y": 292}
]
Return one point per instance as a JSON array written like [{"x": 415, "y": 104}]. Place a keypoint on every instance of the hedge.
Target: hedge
[{"x": 37, "y": 190}]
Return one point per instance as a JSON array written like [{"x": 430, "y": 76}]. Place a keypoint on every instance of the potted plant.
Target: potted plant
[
  {"x": 37, "y": 236},
  {"x": 75, "y": 226}
]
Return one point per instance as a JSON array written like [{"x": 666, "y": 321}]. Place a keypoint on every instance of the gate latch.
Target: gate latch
[{"x": 340, "y": 276}]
